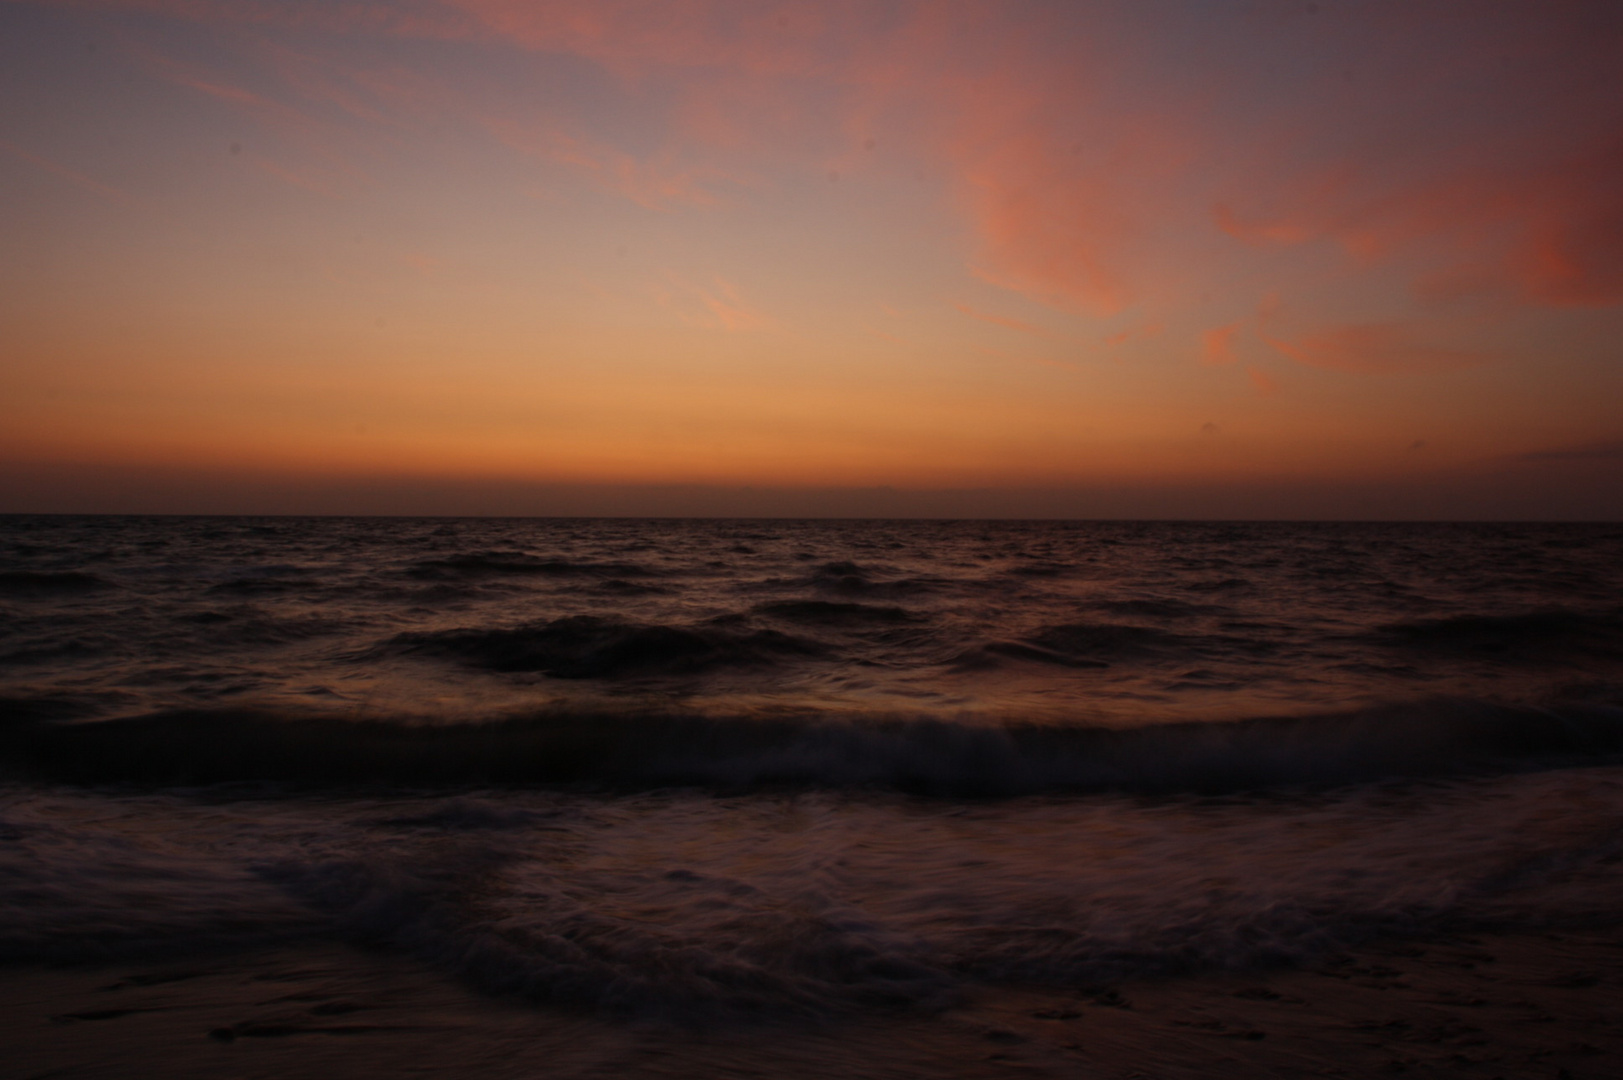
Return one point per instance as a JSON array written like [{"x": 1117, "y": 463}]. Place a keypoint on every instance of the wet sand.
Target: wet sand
[{"x": 1548, "y": 1006}]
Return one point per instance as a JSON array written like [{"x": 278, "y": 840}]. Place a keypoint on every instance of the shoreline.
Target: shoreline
[{"x": 1512, "y": 1005}]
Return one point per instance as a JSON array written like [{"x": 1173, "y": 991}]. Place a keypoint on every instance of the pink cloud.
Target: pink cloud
[
  {"x": 1258, "y": 233},
  {"x": 1217, "y": 345},
  {"x": 999, "y": 320},
  {"x": 1075, "y": 160},
  {"x": 1547, "y": 233},
  {"x": 730, "y": 309},
  {"x": 1539, "y": 226},
  {"x": 1373, "y": 348},
  {"x": 1049, "y": 248},
  {"x": 1143, "y": 330},
  {"x": 1046, "y": 222},
  {"x": 1572, "y": 251}
]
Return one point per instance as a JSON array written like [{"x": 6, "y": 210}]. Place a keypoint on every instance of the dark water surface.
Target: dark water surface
[{"x": 735, "y": 766}]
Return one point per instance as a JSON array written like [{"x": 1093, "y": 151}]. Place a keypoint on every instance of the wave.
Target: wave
[
  {"x": 1110, "y": 641},
  {"x": 1092, "y": 645},
  {"x": 258, "y": 586},
  {"x": 591, "y": 647},
  {"x": 1223, "y": 585},
  {"x": 72, "y": 647},
  {"x": 1042, "y": 570},
  {"x": 850, "y": 578},
  {"x": 618, "y": 587},
  {"x": 1159, "y": 609},
  {"x": 1527, "y": 635},
  {"x": 50, "y": 582},
  {"x": 929, "y": 756},
  {"x": 833, "y": 613},
  {"x": 249, "y": 626},
  {"x": 518, "y": 563}
]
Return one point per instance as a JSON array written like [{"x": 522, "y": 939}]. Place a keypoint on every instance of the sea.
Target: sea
[{"x": 714, "y": 770}]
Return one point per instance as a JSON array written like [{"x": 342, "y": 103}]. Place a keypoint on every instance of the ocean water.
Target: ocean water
[{"x": 709, "y": 769}]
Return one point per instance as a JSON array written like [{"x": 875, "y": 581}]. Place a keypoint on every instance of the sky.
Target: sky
[{"x": 1124, "y": 258}]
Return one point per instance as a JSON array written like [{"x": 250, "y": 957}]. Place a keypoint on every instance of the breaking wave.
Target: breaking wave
[
  {"x": 929, "y": 756},
  {"x": 686, "y": 906}
]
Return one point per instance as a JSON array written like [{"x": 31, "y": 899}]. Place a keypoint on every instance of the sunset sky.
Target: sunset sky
[{"x": 1165, "y": 258}]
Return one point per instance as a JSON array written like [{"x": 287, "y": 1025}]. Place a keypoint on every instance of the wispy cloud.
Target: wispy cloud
[
  {"x": 427, "y": 20},
  {"x": 73, "y": 176},
  {"x": 660, "y": 183},
  {"x": 999, "y": 320},
  {"x": 718, "y": 306},
  {"x": 312, "y": 153},
  {"x": 423, "y": 264}
]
